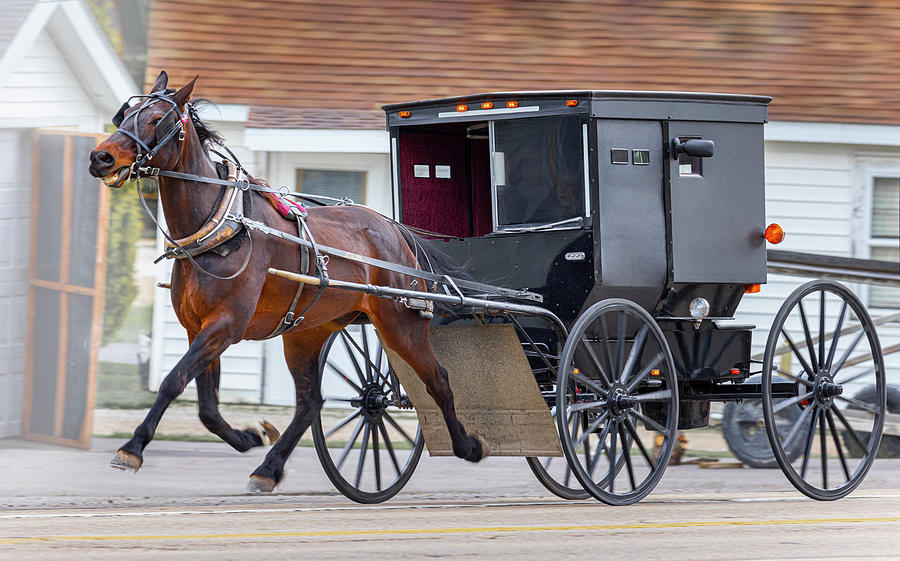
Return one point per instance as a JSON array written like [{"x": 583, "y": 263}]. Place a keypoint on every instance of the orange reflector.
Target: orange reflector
[
  {"x": 404, "y": 114},
  {"x": 462, "y": 107},
  {"x": 512, "y": 104},
  {"x": 735, "y": 371},
  {"x": 752, "y": 288},
  {"x": 654, "y": 372},
  {"x": 487, "y": 105},
  {"x": 774, "y": 233},
  {"x": 571, "y": 102}
]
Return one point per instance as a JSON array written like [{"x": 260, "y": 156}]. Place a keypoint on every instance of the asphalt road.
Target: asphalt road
[{"x": 186, "y": 503}]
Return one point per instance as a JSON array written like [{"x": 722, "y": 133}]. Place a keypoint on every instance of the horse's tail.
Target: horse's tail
[{"x": 431, "y": 257}]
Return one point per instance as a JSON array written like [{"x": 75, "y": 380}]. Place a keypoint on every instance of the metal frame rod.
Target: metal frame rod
[{"x": 394, "y": 293}]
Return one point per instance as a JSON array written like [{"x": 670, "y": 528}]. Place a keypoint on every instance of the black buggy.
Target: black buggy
[{"x": 620, "y": 231}]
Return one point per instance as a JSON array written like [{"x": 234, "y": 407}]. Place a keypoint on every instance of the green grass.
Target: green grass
[{"x": 119, "y": 387}]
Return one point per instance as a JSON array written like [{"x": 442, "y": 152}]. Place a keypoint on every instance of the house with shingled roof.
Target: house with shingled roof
[{"x": 299, "y": 85}]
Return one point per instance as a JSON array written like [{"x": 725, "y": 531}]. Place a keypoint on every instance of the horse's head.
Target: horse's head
[{"x": 149, "y": 127}]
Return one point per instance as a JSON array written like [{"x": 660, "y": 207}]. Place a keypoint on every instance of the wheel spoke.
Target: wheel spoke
[
  {"x": 585, "y": 405},
  {"x": 343, "y": 422},
  {"x": 620, "y": 344},
  {"x": 587, "y": 381},
  {"x": 793, "y": 378},
  {"x": 604, "y": 331},
  {"x": 859, "y": 404},
  {"x": 786, "y": 441},
  {"x": 796, "y": 352},
  {"x": 837, "y": 443},
  {"x": 846, "y": 355},
  {"x": 601, "y": 446},
  {"x": 593, "y": 356},
  {"x": 376, "y": 458},
  {"x": 345, "y": 337},
  {"x": 343, "y": 376},
  {"x": 660, "y": 395},
  {"x": 809, "y": 342},
  {"x": 611, "y": 452},
  {"x": 591, "y": 428},
  {"x": 784, "y": 404},
  {"x": 362, "y": 456},
  {"x": 365, "y": 352},
  {"x": 398, "y": 428},
  {"x": 365, "y": 355},
  {"x": 850, "y": 429},
  {"x": 634, "y": 435},
  {"x": 855, "y": 377},
  {"x": 645, "y": 372},
  {"x": 836, "y": 336},
  {"x": 389, "y": 446},
  {"x": 822, "y": 446},
  {"x": 821, "y": 331},
  {"x": 809, "y": 442},
  {"x": 649, "y": 422},
  {"x": 636, "y": 349},
  {"x": 578, "y": 422},
  {"x": 626, "y": 451},
  {"x": 351, "y": 442}
]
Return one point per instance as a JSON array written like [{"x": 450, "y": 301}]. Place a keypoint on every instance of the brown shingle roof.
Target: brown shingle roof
[{"x": 822, "y": 60}]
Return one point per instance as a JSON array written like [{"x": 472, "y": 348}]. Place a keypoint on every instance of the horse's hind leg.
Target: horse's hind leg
[
  {"x": 408, "y": 337},
  {"x": 206, "y": 347},
  {"x": 301, "y": 351},
  {"x": 208, "y": 406}
]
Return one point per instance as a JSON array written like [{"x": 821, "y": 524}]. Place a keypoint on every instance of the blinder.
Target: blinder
[{"x": 120, "y": 115}]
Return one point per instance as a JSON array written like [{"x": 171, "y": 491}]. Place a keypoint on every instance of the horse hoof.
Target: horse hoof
[
  {"x": 126, "y": 461},
  {"x": 485, "y": 449},
  {"x": 271, "y": 432},
  {"x": 260, "y": 484}
]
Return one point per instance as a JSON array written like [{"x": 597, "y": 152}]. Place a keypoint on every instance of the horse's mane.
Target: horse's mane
[{"x": 207, "y": 134}]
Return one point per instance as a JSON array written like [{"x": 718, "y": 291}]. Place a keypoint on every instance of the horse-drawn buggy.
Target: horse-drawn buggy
[{"x": 559, "y": 282}]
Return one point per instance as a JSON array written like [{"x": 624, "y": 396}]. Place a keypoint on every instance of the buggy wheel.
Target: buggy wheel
[
  {"x": 367, "y": 438},
  {"x": 617, "y": 372},
  {"x": 822, "y": 373},
  {"x": 554, "y": 473}
]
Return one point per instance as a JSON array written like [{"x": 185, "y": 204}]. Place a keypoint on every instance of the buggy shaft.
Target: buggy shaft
[{"x": 395, "y": 293}]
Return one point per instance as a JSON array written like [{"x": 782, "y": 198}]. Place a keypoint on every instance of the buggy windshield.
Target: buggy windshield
[{"x": 538, "y": 171}]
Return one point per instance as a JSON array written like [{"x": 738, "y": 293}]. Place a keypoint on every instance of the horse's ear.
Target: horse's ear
[
  {"x": 161, "y": 82},
  {"x": 184, "y": 94}
]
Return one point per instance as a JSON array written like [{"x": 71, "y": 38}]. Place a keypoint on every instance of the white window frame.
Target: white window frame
[{"x": 868, "y": 168}]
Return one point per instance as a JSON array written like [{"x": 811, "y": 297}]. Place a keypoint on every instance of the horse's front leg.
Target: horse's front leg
[
  {"x": 208, "y": 406},
  {"x": 206, "y": 347}
]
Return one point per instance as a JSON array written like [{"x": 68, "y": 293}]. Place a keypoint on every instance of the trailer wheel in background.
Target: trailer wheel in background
[
  {"x": 745, "y": 433},
  {"x": 890, "y": 444}
]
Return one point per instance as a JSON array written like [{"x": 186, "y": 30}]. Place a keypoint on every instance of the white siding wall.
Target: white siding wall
[
  {"x": 43, "y": 91},
  {"x": 814, "y": 192},
  {"x": 14, "y": 227}
]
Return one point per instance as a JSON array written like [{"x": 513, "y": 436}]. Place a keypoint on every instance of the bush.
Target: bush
[{"x": 124, "y": 229}]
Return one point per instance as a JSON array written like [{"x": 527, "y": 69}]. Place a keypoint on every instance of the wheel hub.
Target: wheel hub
[
  {"x": 825, "y": 388},
  {"x": 373, "y": 401},
  {"x": 619, "y": 401}
]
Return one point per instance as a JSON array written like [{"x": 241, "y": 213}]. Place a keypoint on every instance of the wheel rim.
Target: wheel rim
[
  {"x": 555, "y": 473},
  {"x": 824, "y": 371},
  {"x": 617, "y": 373},
  {"x": 366, "y": 435}
]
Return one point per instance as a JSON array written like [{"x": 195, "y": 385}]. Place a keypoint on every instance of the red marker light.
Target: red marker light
[
  {"x": 735, "y": 371},
  {"x": 654, "y": 372},
  {"x": 571, "y": 102},
  {"x": 404, "y": 114},
  {"x": 512, "y": 104},
  {"x": 752, "y": 288},
  {"x": 487, "y": 105},
  {"x": 462, "y": 107}
]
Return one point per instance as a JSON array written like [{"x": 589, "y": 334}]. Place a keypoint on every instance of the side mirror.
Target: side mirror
[{"x": 694, "y": 147}]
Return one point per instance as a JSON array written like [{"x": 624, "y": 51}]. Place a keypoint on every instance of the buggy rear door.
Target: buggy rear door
[{"x": 718, "y": 205}]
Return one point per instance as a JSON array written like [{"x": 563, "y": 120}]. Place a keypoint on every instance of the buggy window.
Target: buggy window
[{"x": 538, "y": 170}]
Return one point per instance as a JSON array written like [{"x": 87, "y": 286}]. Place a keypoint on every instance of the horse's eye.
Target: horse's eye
[{"x": 156, "y": 120}]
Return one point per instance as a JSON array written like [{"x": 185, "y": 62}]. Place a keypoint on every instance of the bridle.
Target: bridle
[{"x": 169, "y": 126}]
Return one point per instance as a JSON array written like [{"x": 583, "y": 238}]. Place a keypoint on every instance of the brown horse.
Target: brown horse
[{"x": 218, "y": 313}]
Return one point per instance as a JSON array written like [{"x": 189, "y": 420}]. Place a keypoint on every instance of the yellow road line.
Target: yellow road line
[{"x": 462, "y": 530}]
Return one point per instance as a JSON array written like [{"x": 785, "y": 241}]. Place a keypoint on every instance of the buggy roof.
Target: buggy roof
[{"x": 612, "y": 104}]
